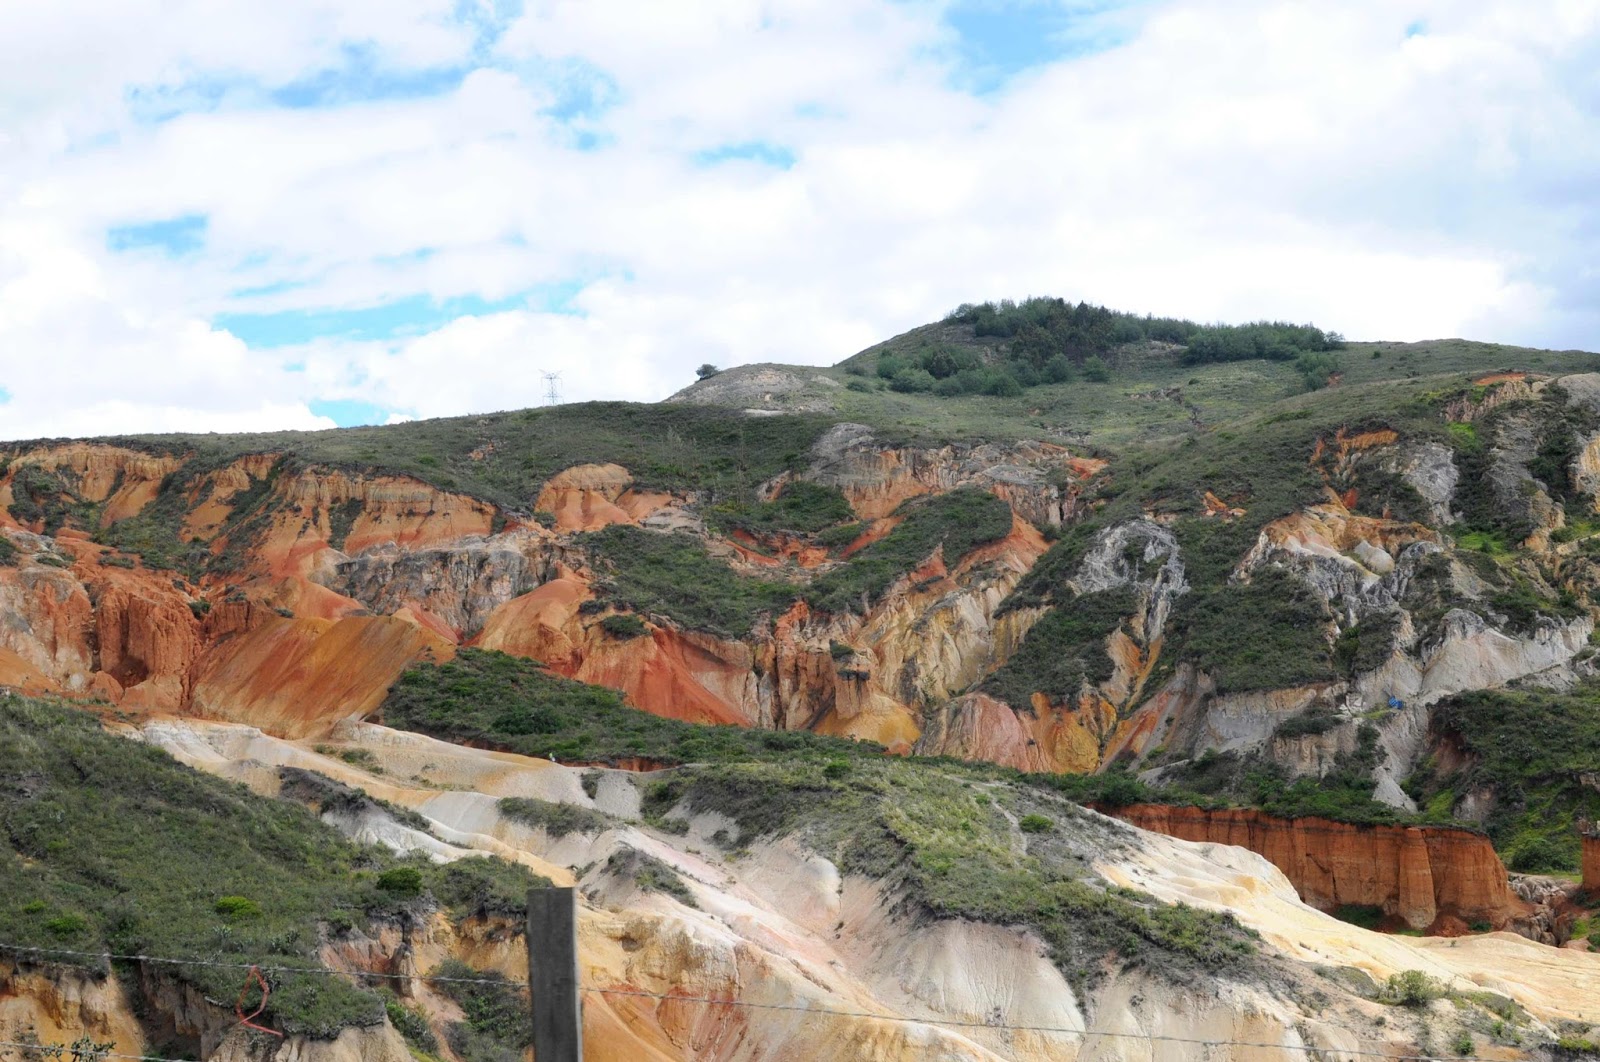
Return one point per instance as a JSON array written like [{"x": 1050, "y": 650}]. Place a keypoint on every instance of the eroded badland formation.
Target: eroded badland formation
[{"x": 1059, "y": 714}]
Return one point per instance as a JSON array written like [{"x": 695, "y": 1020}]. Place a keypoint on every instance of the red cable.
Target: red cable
[{"x": 266, "y": 990}]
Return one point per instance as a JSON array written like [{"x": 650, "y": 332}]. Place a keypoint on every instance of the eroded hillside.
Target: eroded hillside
[{"x": 1183, "y": 588}]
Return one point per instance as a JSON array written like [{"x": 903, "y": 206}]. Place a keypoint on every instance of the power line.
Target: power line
[
  {"x": 712, "y": 1001},
  {"x": 1087, "y": 1034},
  {"x": 55, "y": 1050},
  {"x": 217, "y": 964}
]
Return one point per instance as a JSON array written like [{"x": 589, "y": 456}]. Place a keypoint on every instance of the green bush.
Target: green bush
[
  {"x": 1034, "y": 824},
  {"x": 8, "y": 553},
  {"x": 556, "y": 819},
  {"x": 1315, "y": 369},
  {"x": 1411, "y": 988},
  {"x": 1364, "y": 915},
  {"x": 401, "y": 882},
  {"x": 801, "y": 507},
  {"x": 411, "y": 1024},
  {"x": 624, "y": 627},
  {"x": 1269, "y": 633},
  {"x": 238, "y": 908},
  {"x": 495, "y": 1026},
  {"x": 67, "y": 925}
]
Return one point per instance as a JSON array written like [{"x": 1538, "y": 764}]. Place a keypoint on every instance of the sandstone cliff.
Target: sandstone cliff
[{"x": 1417, "y": 874}]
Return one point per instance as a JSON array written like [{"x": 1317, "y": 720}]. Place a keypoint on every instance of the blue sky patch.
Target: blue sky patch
[
  {"x": 349, "y": 412},
  {"x": 1416, "y": 29},
  {"x": 5, "y": 396},
  {"x": 998, "y": 39},
  {"x": 581, "y": 90},
  {"x": 362, "y": 78},
  {"x": 173, "y": 236},
  {"x": 402, "y": 317},
  {"x": 752, "y": 151}
]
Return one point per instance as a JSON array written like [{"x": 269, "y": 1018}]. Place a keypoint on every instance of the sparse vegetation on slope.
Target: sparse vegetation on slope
[
  {"x": 1531, "y": 750},
  {"x": 111, "y": 845},
  {"x": 506, "y": 702},
  {"x": 943, "y": 837},
  {"x": 674, "y": 575},
  {"x": 953, "y": 524}
]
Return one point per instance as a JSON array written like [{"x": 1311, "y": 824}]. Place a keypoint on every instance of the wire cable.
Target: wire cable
[
  {"x": 1085, "y": 1033},
  {"x": 59, "y": 1050}
]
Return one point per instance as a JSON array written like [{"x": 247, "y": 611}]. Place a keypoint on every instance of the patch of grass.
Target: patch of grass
[
  {"x": 1531, "y": 750},
  {"x": 495, "y": 1026},
  {"x": 505, "y": 458},
  {"x": 673, "y": 576},
  {"x": 556, "y": 819},
  {"x": 650, "y": 874},
  {"x": 1270, "y": 633},
  {"x": 952, "y": 524},
  {"x": 624, "y": 627},
  {"x": 801, "y": 507},
  {"x": 943, "y": 843},
  {"x": 1065, "y": 649},
  {"x": 506, "y": 702},
  {"x": 118, "y": 847}
]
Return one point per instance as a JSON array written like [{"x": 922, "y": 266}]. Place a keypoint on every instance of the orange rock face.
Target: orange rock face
[
  {"x": 1418, "y": 874},
  {"x": 298, "y": 678},
  {"x": 590, "y": 497},
  {"x": 1591, "y": 863}
]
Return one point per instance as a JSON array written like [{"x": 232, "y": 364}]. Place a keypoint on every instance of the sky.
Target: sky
[{"x": 231, "y": 216}]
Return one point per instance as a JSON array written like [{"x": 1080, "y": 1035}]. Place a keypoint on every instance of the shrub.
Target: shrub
[
  {"x": 556, "y": 819},
  {"x": 238, "y": 908},
  {"x": 401, "y": 882},
  {"x": 411, "y": 1024},
  {"x": 1315, "y": 369},
  {"x": 200, "y": 607},
  {"x": 673, "y": 575},
  {"x": 1035, "y": 824},
  {"x": 67, "y": 925},
  {"x": 1410, "y": 988},
  {"x": 496, "y": 1026},
  {"x": 1462, "y": 1045},
  {"x": 706, "y": 371},
  {"x": 8, "y": 553},
  {"x": 1096, "y": 370},
  {"x": 624, "y": 627}
]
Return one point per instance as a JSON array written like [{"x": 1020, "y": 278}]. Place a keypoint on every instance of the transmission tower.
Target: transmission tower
[{"x": 552, "y": 389}]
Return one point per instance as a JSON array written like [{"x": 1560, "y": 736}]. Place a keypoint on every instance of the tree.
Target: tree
[
  {"x": 706, "y": 371},
  {"x": 1096, "y": 371}
]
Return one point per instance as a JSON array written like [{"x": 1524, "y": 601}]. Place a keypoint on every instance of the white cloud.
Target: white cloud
[{"x": 1233, "y": 159}]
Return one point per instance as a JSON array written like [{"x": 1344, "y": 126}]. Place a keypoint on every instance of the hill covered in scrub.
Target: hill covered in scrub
[{"x": 1255, "y": 583}]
